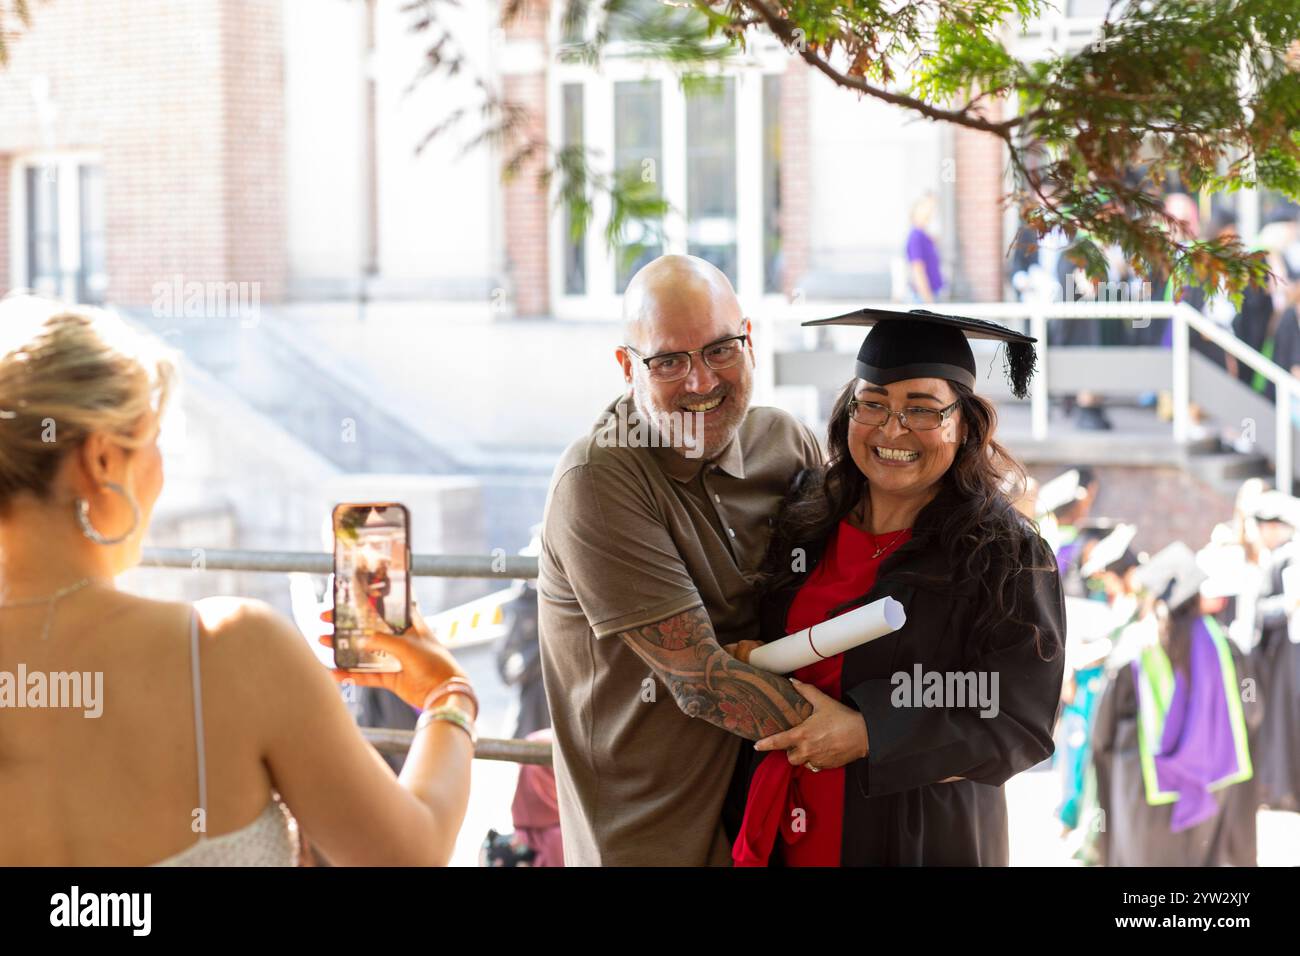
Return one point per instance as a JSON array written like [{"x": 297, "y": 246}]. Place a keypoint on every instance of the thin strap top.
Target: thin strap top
[
  {"x": 198, "y": 715},
  {"x": 270, "y": 840}
]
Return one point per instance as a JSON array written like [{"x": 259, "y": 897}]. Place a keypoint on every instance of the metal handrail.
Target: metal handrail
[
  {"x": 500, "y": 566},
  {"x": 487, "y": 748},
  {"x": 427, "y": 565}
]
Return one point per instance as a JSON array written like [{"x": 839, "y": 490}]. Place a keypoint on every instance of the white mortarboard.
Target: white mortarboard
[
  {"x": 1277, "y": 506},
  {"x": 1058, "y": 492},
  {"x": 1109, "y": 549},
  {"x": 1172, "y": 575}
]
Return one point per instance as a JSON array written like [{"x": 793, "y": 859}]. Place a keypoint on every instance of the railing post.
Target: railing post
[
  {"x": 1182, "y": 377},
  {"x": 1283, "y": 467},
  {"x": 1039, "y": 401}
]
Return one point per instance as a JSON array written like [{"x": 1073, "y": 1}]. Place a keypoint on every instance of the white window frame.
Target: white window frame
[
  {"x": 68, "y": 164},
  {"x": 600, "y": 302}
]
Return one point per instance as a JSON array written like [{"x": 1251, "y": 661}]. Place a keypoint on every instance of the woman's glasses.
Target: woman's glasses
[{"x": 914, "y": 419}]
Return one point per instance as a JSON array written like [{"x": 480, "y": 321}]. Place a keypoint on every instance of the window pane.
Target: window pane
[
  {"x": 575, "y": 259},
  {"x": 638, "y": 151},
  {"x": 92, "y": 281},
  {"x": 711, "y": 175},
  {"x": 43, "y": 229},
  {"x": 772, "y": 259},
  {"x": 1090, "y": 8}
]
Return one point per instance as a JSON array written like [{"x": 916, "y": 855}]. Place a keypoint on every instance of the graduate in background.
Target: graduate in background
[
  {"x": 1170, "y": 741},
  {"x": 1275, "y": 653},
  {"x": 1093, "y": 624},
  {"x": 1064, "y": 503}
]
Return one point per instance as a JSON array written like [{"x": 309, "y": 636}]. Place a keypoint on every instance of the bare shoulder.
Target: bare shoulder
[{"x": 237, "y": 623}]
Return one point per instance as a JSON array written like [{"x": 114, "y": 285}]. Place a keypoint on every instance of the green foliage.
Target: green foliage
[
  {"x": 1207, "y": 91},
  {"x": 12, "y": 12}
]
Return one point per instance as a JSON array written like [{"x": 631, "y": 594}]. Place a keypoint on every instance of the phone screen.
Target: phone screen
[{"x": 371, "y": 580}]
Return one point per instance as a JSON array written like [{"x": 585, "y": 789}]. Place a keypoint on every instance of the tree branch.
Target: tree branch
[{"x": 785, "y": 33}]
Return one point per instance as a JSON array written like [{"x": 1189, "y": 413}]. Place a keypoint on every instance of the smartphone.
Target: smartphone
[{"x": 372, "y": 581}]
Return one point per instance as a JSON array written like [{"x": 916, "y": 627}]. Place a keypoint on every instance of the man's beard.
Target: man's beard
[{"x": 697, "y": 435}]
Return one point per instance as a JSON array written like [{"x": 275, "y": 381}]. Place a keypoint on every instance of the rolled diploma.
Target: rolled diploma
[{"x": 834, "y": 636}]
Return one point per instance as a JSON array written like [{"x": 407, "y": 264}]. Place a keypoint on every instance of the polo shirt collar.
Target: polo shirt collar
[{"x": 680, "y": 468}]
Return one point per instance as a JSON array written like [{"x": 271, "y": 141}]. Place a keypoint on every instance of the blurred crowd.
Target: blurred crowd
[
  {"x": 1180, "y": 710},
  {"x": 1053, "y": 269}
]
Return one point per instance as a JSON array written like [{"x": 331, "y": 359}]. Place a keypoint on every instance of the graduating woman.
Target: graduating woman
[{"x": 913, "y": 734}]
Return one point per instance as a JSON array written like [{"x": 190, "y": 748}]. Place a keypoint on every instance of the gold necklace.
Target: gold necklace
[
  {"x": 50, "y": 601},
  {"x": 860, "y": 514},
  {"x": 885, "y": 547}
]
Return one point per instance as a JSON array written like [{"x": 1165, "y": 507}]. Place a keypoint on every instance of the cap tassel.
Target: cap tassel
[{"x": 1022, "y": 360}]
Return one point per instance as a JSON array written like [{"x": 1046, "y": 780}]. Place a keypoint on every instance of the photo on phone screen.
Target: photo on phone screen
[{"x": 372, "y": 580}]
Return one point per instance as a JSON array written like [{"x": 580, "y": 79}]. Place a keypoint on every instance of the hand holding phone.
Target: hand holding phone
[{"x": 425, "y": 663}]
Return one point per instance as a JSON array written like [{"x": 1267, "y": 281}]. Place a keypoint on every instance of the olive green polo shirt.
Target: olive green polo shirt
[{"x": 631, "y": 536}]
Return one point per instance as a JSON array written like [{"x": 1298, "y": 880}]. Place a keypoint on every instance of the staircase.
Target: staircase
[{"x": 283, "y": 382}]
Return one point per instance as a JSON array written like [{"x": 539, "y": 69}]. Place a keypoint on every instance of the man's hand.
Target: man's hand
[
  {"x": 741, "y": 649},
  {"x": 833, "y": 736}
]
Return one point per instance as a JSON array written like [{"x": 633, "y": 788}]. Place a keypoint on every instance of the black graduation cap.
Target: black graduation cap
[
  {"x": 924, "y": 344},
  {"x": 1172, "y": 575}
]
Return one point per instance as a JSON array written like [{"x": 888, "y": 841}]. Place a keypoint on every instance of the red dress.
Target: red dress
[{"x": 807, "y": 808}]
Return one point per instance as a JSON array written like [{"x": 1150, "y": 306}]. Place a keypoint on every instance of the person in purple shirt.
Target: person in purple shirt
[{"x": 925, "y": 277}]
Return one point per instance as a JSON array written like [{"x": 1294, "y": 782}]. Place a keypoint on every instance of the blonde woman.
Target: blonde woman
[{"x": 217, "y": 731}]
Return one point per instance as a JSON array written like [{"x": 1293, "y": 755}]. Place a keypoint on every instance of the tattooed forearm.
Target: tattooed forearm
[{"x": 708, "y": 682}]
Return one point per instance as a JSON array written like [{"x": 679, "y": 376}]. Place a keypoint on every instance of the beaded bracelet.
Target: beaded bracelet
[
  {"x": 453, "y": 685},
  {"x": 452, "y": 715}
]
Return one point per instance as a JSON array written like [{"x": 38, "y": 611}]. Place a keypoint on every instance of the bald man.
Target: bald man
[{"x": 654, "y": 523}]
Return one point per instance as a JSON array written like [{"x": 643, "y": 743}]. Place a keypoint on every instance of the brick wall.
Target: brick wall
[
  {"x": 525, "y": 206},
  {"x": 190, "y": 153},
  {"x": 796, "y": 173},
  {"x": 254, "y": 148},
  {"x": 980, "y": 161},
  {"x": 1165, "y": 502},
  {"x": 6, "y": 281}
]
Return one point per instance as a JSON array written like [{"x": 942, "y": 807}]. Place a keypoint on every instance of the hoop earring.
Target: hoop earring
[{"x": 82, "y": 511}]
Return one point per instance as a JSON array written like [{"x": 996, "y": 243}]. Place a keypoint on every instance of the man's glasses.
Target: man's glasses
[
  {"x": 674, "y": 366},
  {"x": 914, "y": 419}
]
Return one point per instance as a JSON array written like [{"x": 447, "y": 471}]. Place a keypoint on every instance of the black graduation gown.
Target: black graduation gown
[
  {"x": 1251, "y": 325},
  {"x": 1286, "y": 340},
  {"x": 895, "y": 810},
  {"x": 1275, "y": 662},
  {"x": 1135, "y": 833}
]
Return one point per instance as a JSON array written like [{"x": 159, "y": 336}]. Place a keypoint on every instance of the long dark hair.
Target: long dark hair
[{"x": 972, "y": 517}]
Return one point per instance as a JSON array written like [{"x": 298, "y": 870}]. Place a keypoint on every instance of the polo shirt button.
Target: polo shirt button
[
  {"x": 731, "y": 531},
  {"x": 718, "y": 499}
]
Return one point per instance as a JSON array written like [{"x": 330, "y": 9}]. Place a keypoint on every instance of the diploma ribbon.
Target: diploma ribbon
[{"x": 814, "y": 646}]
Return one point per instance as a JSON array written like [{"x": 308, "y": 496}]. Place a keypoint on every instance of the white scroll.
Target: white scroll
[{"x": 835, "y": 636}]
